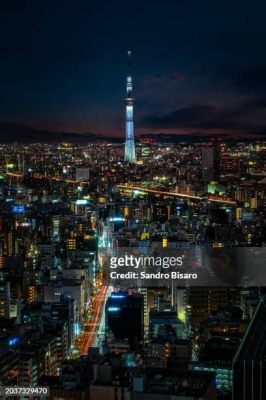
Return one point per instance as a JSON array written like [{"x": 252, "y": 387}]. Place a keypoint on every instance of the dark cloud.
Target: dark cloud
[
  {"x": 182, "y": 117},
  {"x": 10, "y": 132},
  {"x": 64, "y": 66},
  {"x": 176, "y": 76},
  {"x": 248, "y": 117},
  {"x": 251, "y": 79},
  {"x": 151, "y": 79},
  {"x": 163, "y": 77}
]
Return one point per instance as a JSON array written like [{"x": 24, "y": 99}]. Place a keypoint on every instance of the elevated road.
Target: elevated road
[
  {"x": 49, "y": 177},
  {"x": 175, "y": 194}
]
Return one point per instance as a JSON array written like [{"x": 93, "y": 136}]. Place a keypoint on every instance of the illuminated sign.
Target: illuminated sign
[
  {"x": 117, "y": 219},
  {"x": 18, "y": 209},
  {"x": 14, "y": 341},
  {"x": 118, "y": 296},
  {"x": 81, "y": 202}
]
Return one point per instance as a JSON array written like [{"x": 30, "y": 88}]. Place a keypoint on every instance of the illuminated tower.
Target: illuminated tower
[{"x": 130, "y": 154}]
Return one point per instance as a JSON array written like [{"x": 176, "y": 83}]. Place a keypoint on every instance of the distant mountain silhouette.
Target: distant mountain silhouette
[
  {"x": 177, "y": 138},
  {"x": 10, "y": 132},
  {"x": 13, "y": 132}
]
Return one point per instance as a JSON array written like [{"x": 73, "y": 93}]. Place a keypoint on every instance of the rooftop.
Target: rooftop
[{"x": 173, "y": 381}]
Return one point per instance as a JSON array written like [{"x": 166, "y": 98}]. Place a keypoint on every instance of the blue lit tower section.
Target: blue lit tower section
[{"x": 130, "y": 154}]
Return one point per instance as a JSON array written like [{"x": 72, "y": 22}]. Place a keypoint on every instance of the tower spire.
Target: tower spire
[
  {"x": 130, "y": 154},
  {"x": 129, "y": 58}
]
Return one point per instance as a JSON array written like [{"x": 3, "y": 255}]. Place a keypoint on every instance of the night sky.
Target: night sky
[{"x": 198, "y": 66}]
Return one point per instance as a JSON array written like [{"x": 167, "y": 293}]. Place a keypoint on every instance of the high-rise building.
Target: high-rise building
[
  {"x": 210, "y": 159},
  {"x": 230, "y": 165},
  {"x": 82, "y": 174},
  {"x": 44, "y": 351},
  {"x": 207, "y": 160},
  {"x": 124, "y": 316},
  {"x": 5, "y": 299},
  {"x": 9, "y": 363},
  {"x": 55, "y": 225},
  {"x": 172, "y": 384},
  {"x": 201, "y": 301},
  {"x": 130, "y": 153},
  {"x": 21, "y": 163},
  {"x": 249, "y": 365},
  {"x": 144, "y": 292},
  {"x": 27, "y": 370}
]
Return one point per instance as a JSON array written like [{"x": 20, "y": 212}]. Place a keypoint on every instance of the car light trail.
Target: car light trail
[{"x": 177, "y": 194}]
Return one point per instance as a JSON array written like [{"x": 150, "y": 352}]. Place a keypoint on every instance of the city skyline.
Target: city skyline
[
  {"x": 198, "y": 69},
  {"x": 133, "y": 271}
]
